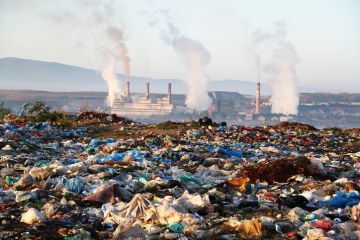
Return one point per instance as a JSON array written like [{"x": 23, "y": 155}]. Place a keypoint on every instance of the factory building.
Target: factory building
[
  {"x": 223, "y": 103},
  {"x": 228, "y": 103},
  {"x": 145, "y": 106}
]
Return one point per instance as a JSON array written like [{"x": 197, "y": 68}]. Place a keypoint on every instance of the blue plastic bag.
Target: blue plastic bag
[
  {"x": 157, "y": 158},
  {"x": 136, "y": 155},
  {"x": 221, "y": 128},
  {"x": 109, "y": 140},
  {"x": 342, "y": 200},
  {"x": 115, "y": 157},
  {"x": 231, "y": 153}
]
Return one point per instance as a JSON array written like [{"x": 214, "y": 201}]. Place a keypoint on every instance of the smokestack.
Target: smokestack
[
  {"x": 147, "y": 90},
  {"x": 169, "y": 92},
  {"x": 257, "y": 100},
  {"x": 127, "y": 89}
]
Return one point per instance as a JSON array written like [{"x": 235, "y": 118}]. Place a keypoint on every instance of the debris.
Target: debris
[
  {"x": 355, "y": 213},
  {"x": 74, "y": 185},
  {"x": 251, "y": 227},
  {"x": 176, "y": 228},
  {"x": 128, "y": 231},
  {"x": 32, "y": 216},
  {"x": 104, "y": 177},
  {"x": 277, "y": 171},
  {"x": 193, "y": 202},
  {"x": 109, "y": 195},
  {"x": 25, "y": 181},
  {"x": 7, "y": 148}
]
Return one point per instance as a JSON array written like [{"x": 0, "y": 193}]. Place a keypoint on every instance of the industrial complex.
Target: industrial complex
[{"x": 146, "y": 105}]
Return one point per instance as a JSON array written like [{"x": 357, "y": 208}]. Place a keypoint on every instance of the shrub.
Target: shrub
[
  {"x": 4, "y": 111},
  {"x": 42, "y": 113}
]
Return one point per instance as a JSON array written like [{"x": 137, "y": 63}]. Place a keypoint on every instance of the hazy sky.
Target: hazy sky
[{"x": 325, "y": 33}]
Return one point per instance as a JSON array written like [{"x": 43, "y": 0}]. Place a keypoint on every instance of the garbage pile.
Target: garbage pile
[{"x": 111, "y": 178}]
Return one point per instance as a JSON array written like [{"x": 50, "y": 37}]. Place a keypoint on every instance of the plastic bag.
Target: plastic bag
[
  {"x": 74, "y": 185},
  {"x": 128, "y": 231},
  {"x": 322, "y": 224},
  {"x": 231, "y": 153},
  {"x": 176, "y": 228},
  {"x": 193, "y": 202},
  {"x": 187, "y": 178},
  {"x": 252, "y": 227},
  {"x": 32, "y": 216}
]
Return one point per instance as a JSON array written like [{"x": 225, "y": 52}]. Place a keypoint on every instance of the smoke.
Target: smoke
[
  {"x": 258, "y": 67},
  {"x": 119, "y": 53},
  {"x": 196, "y": 58},
  {"x": 108, "y": 73},
  {"x": 284, "y": 98},
  {"x": 97, "y": 17}
]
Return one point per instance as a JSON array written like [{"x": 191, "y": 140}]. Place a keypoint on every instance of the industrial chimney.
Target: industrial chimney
[
  {"x": 147, "y": 90},
  {"x": 169, "y": 92},
  {"x": 127, "y": 88},
  {"x": 257, "y": 99}
]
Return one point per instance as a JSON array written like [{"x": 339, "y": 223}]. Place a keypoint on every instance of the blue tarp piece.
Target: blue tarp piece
[{"x": 342, "y": 200}]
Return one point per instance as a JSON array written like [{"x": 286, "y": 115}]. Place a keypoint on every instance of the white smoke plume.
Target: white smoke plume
[
  {"x": 258, "y": 67},
  {"x": 121, "y": 51},
  {"x": 108, "y": 73},
  {"x": 97, "y": 18},
  {"x": 196, "y": 58},
  {"x": 284, "y": 98}
]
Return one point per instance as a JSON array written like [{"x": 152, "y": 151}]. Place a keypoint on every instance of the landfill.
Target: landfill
[{"x": 106, "y": 177}]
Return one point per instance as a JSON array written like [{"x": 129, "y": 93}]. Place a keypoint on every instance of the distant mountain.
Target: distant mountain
[{"x": 16, "y": 73}]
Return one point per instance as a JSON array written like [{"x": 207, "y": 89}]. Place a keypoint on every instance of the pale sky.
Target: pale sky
[{"x": 325, "y": 33}]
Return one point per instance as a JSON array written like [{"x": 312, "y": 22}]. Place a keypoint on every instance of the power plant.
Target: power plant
[{"x": 145, "y": 106}]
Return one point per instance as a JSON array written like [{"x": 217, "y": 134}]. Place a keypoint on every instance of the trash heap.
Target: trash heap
[{"x": 110, "y": 178}]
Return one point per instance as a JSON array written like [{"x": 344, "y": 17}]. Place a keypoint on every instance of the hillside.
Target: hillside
[{"x": 16, "y": 73}]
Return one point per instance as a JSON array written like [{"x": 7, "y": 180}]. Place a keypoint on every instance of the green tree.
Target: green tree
[{"x": 37, "y": 107}]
